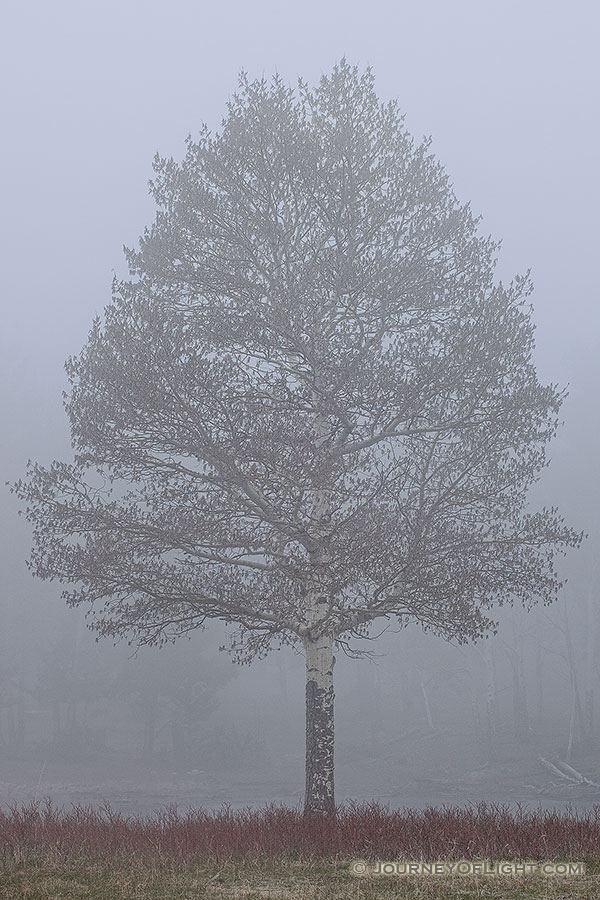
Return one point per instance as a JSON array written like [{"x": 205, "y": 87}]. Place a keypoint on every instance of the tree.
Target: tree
[
  {"x": 178, "y": 692},
  {"x": 309, "y": 407}
]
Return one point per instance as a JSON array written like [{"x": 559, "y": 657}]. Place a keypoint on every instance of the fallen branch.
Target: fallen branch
[
  {"x": 573, "y": 772},
  {"x": 552, "y": 768},
  {"x": 567, "y": 772}
]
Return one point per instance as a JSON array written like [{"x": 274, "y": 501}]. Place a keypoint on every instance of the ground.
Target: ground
[{"x": 137, "y": 789}]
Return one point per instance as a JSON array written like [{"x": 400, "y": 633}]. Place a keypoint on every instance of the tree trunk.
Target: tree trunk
[
  {"x": 491, "y": 699},
  {"x": 149, "y": 708},
  {"x": 574, "y": 681},
  {"x": 539, "y": 668},
  {"x": 590, "y": 657},
  {"x": 317, "y": 639},
  {"x": 425, "y": 696},
  {"x": 319, "y": 795},
  {"x": 520, "y": 711}
]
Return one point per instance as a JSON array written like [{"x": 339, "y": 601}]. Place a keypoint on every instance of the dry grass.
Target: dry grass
[{"x": 44, "y": 878}]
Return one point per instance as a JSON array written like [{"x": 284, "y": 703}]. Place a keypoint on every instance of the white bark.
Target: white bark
[{"x": 318, "y": 646}]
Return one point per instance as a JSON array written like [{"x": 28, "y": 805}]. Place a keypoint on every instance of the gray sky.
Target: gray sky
[{"x": 90, "y": 91}]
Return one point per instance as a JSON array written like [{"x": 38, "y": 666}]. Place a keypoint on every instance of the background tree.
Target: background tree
[
  {"x": 176, "y": 692},
  {"x": 308, "y": 408}
]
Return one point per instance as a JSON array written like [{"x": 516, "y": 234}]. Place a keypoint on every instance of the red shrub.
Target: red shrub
[{"x": 488, "y": 831}]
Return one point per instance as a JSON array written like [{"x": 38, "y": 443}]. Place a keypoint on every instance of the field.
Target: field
[{"x": 276, "y": 853}]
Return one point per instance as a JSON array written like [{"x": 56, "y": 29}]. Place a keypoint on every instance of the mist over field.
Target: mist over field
[{"x": 91, "y": 92}]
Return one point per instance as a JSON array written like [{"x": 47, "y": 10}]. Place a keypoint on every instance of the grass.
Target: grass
[
  {"x": 44, "y": 878},
  {"x": 48, "y": 853}
]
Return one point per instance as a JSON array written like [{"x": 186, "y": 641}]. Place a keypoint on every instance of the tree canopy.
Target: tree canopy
[{"x": 310, "y": 373}]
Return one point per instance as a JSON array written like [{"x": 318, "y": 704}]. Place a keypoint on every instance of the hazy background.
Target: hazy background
[{"x": 90, "y": 91}]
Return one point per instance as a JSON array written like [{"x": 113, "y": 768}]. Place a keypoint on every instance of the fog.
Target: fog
[{"x": 509, "y": 94}]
